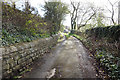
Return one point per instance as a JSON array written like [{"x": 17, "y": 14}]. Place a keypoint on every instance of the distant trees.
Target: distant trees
[
  {"x": 74, "y": 14},
  {"x": 81, "y": 14},
  {"x": 28, "y": 8},
  {"x": 86, "y": 13},
  {"x": 55, "y": 11},
  {"x": 112, "y": 11}
]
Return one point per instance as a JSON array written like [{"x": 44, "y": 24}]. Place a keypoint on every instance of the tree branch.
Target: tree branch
[{"x": 87, "y": 20}]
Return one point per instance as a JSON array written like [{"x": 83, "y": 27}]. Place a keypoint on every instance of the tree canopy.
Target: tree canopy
[{"x": 55, "y": 12}]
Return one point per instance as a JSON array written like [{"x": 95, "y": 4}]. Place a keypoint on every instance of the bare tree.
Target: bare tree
[
  {"x": 86, "y": 15},
  {"x": 81, "y": 14},
  {"x": 112, "y": 11},
  {"x": 74, "y": 14}
]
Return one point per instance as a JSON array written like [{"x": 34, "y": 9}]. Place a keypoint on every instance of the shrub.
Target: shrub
[
  {"x": 112, "y": 32},
  {"x": 18, "y": 26}
]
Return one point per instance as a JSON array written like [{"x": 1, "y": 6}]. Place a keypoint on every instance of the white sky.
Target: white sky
[{"x": 98, "y": 3}]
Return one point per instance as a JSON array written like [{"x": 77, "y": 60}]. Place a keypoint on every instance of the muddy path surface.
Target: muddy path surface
[{"x": 68, "y": 59}]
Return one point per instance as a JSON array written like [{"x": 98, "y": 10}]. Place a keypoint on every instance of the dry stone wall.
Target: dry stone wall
[{"x": 19, "y": 57}]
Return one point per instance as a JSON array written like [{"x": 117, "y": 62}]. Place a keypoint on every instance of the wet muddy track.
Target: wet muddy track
[{"x": 68, "y": 59}]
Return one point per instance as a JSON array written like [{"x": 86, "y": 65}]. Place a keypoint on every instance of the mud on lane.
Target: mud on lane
[{"x": 68, "y": 59}]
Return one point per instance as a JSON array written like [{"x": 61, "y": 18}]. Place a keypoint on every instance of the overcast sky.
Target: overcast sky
[{"x": 97, "y": 3}]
